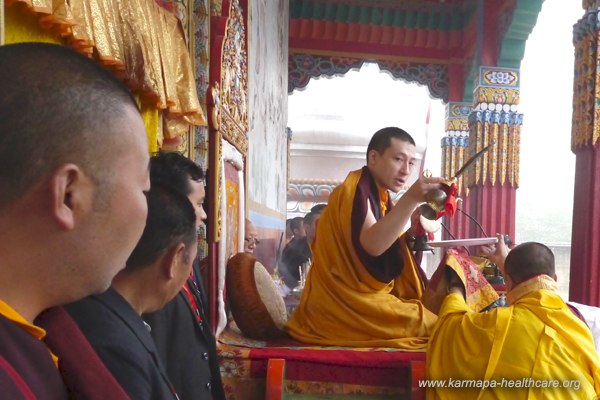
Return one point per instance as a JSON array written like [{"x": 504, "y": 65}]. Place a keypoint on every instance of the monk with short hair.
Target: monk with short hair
[
  {"x": 535, "y": 348},
  {"x": 364, "y": 288},
  {"x": 73, "y": 172},
  {"x": 250, "y": 236}
]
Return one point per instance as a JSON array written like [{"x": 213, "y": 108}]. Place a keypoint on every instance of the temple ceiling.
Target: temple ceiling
[{"x": 431, "y": 42}]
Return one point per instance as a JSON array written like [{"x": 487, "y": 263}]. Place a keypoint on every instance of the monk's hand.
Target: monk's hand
[
  {"x": 496, "y": 253},
  {"x": 436, "y": 293},
  {"x": 424, "y": 184},
  {"x": 456, "y": 289},
  {"x": 455, "y": 285}
]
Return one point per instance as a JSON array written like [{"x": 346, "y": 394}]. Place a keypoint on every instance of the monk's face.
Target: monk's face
[
  {"x": 250, "y": 237},
  {"x": 392, "y": 168},
  {"x": 311, "y": 229},
  {"x": 196, "y": 196}
]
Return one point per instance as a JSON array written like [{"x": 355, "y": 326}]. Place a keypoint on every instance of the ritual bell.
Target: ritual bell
[
  {"x": 435, "y": 200},
  {"x": 437, "y": 203}
]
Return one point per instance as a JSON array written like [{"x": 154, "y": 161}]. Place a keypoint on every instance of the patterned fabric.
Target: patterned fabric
[
  {"x": 536, "y": 283},
  {"x": 233, "y": 208},
  {"x": 313, "y": 370},
  {"x": 479, "y": 292}
]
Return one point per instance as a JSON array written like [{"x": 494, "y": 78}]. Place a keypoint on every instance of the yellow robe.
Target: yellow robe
[
  {"x": 537, "y": 341},
  {"x": 342, "y": 304}
]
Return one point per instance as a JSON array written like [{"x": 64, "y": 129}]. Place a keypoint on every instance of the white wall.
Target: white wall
[{"x": 267, "y": 87}]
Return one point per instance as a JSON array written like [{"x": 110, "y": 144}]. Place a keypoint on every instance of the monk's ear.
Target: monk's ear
[
  {"x": 372, "y": 156},
  {"x": 71, "y": 194},
  {"x": 174, "y": 257}
]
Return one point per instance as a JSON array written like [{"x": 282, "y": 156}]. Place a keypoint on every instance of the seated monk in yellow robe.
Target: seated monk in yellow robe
[
  {"x": 536, "y": 348},
  {"x": 364, "y": 288}
]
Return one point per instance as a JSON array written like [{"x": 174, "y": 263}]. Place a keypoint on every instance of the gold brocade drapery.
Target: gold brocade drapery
[
  {"x": 586, "y": 87},
  {"x": 21, "y": 27},
  {"x": 141, "y": 42},
  {"x": 153, "y": 122},
  {"x": 24, "y": 28}
]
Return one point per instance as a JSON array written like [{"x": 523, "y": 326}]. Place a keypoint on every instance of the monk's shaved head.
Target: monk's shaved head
[
  {"x": 250, "y": 236},
  {"x": 382, "y": 139},
  {"x": 56, "y": 107},
  {"x": 528, "y": 260}
]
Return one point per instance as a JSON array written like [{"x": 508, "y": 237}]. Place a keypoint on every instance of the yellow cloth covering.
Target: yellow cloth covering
[
  {"x": 342, "y": 304},
  {"x": 537, "y": 341}
]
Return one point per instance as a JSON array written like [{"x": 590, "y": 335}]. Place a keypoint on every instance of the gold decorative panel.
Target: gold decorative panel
[
  {"x": 233, "y": 113},
  {"x": 455, "y": 142},
  {"x": 228, "y": 102}
]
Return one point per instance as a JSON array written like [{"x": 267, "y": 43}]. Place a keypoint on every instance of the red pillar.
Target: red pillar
[
  {"x": 456, "y": 81},
  {"x": 584, "y": 283},
  {"x": 463, "y": 223},
  {"x": 489, "y": 45},
  {"x": 494, "y": 208},
  {"x": 460, "y": 225}
]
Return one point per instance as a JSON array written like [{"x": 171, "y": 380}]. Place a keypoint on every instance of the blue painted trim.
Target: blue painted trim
[{"x": 266, "y": 221}]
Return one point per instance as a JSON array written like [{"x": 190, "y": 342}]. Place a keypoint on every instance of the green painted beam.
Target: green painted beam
[
  {"x": 440, "y": 19},
  {"x": 376, "y": 16},
  {"x": 343, "y": 11},
  {"x": 365, "y": 15},
  {"x": 307, "y": 9},
  {"x": 411, "y": 19},
  {"x": 422, "y": 18},
  {"x": 457, "y": 21},
  {"x": 318, "y": 11},
  {"x": 444, "y": 24},
  {"x": 513, "y": 45},
  {"x": 295, "y": 9},
  {"x": 353, "y": 14},
  {"x": 514, "y": 41},
  {"x": 331, "y": 11},
  {"x": 388, "y": 17},
  {"x": 399, "y": 18}
]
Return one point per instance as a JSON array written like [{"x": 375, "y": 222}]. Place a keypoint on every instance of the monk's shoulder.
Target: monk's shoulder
[{"x": 348, "y": 186}]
